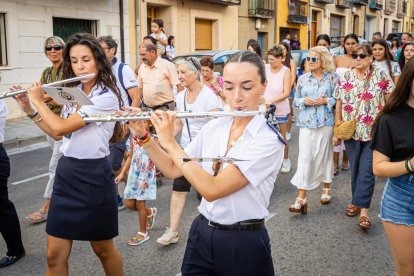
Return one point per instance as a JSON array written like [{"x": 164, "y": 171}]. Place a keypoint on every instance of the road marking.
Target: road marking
[
  {"x": 269, "y": 216},
  {"x": 30, "y": 179},
  {"x": 28, "y": 148}
]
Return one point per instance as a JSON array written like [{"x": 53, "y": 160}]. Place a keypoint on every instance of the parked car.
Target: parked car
[
  {"x": 220, "y": 57},
  {"x": 392, "y": 35}
]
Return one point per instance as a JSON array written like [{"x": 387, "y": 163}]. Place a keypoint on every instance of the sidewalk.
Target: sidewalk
[{"x": 22, "y": 132}]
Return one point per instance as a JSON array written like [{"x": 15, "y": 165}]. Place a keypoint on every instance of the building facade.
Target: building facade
[
  {"x": 292, "y": 18},
  {"x": 196, "y": 25},
  {"x": 24, "y": 25},
  {"x": 257, "y": 20}
]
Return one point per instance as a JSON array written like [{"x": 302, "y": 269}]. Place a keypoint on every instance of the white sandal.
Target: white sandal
[
  {"x": 137, "y": 240},
  {"x": 300, "y": 206},
  {"x": 326, "y": 197}
]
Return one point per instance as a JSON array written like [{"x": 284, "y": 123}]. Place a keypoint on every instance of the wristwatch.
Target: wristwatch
[{"x": 31, "y": 116}]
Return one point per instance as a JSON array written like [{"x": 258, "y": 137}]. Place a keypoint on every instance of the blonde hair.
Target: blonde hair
[{"x": 325, "y": 57}]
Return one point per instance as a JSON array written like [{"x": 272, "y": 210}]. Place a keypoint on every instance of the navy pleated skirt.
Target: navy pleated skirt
[{"x": 84, "y": 201}]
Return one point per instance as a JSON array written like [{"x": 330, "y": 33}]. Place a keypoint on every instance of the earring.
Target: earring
[{"x": 262, "y": 106}]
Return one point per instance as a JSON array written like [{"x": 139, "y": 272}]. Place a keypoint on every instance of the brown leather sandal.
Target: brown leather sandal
[
  {"x": 364, "y": 222},
  {"x": 352, "y": 210}
]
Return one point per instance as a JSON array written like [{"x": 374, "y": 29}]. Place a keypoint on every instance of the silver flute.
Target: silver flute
[
  {"x": 56, "y": 83},
  {"x": 146, "y": 115}
]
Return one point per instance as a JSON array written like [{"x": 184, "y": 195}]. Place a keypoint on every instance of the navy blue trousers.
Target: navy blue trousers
[
  {"x": 362, "y": 176},
  {"x": 211, "y": 251},
  {"x": 9, "y": 222}
]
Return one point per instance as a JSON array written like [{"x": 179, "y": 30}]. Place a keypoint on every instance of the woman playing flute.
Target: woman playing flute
[
  {"x": 83, "y": 204},
  {"x": 229, "y": 236}
]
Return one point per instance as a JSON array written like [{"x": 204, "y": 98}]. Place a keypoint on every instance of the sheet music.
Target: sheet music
[{"x": 68, "y": 95}]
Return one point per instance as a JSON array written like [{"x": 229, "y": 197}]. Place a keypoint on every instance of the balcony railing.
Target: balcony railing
[
  {"x": 345, "y": 4},
  {"x": 324, "y": 1},
  {"x": 261, "y": 9},
  {"x": 360, "y": 2},
  {"x": 298, "y": 12},
  {"x": 402, "y": 9},
  {"x": 390, "y": 6},
  {"x": 375, "y": 5},
  {"x": 223, "y": 2}
]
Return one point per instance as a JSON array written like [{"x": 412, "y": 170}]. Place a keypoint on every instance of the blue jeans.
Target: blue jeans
[
  {"x": 362, "y": 177},
  {"x": 397, "y": 203}
]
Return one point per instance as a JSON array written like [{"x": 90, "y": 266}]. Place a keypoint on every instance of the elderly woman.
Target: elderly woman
[
  {"x": 196, "y": 97},
  {"x": 314, "y": 98},
  {"x": 277, "y": 92},
  {"x": 215, "y": 83},
  {"x": 361, "y": 93},
  {"x": 53, "y": 48}
]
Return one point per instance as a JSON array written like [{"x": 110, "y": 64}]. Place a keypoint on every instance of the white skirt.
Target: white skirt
[{"x": 315, "y": 160}]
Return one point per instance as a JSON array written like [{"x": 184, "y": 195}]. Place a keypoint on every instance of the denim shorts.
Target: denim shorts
[
  {"x": 280, "y": 119},
  {"x": 397, "y": 203},
  {"x": 292, "y": 94}
]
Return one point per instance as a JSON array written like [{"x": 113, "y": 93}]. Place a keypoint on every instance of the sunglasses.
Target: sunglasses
[
  {"x": 57, "y": 48},
  {"x": 194, "y": 62},
  {"x": 312, "y": 59},
  {"x": 361, "y": 56}
]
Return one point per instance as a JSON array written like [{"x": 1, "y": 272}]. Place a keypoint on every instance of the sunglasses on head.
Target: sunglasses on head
[
  {"x": 312, "y": 59},
  {"x": 361, "y": 56},
  {"x": 194, "y": 62},
  {"x": 56, "y": 47}
]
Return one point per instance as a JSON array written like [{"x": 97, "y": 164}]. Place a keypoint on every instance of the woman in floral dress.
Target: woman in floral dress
[{"x": 361, "y": 93}]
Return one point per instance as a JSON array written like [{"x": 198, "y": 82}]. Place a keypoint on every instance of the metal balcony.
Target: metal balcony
[
  {"x": 324, "y": 1},
  {"x": 360, "y": 2},
  {"x": 402, "y": 9},
  {"x": 261, "y": 9},
  {"x": 297, "y": 19},
  {"x": 344, "y": 4},
  {"x": 223, "y": 2},
  {"x": 376, "y": 5}
]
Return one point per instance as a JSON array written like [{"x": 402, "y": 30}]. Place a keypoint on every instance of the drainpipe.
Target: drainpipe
[
  {"x": 121, "y": 29},
  {"x": 309, "y": 23}
]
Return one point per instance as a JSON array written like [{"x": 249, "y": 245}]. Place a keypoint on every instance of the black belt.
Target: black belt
[
  {"x": 166, "y": 105},
  {"x": 250, "y": 225}
]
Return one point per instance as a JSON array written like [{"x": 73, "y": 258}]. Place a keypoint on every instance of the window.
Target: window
[
  {"x": 203, "y": 34},
  {"x": 395, "y": 27},
  {"x": 3, "y": 39},
  {"x": 66, "y": 27}
]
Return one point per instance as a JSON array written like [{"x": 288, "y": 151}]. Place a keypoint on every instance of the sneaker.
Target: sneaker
[
  {"x": 285, "y": 166},
  {"x": 288, "y": 136},
  {"x": 121, "y": 205},
  {"x": 168, "y": 237}
]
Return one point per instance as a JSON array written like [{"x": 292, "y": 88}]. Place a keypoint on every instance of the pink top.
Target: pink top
[{"x": 275, "y": 88}]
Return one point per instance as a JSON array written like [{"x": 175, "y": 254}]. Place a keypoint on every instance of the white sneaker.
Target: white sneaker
[
  {"x": 168, "y": 237},
  {"x": 288, "y": 136},
  {"x": 285, "y": 166}
]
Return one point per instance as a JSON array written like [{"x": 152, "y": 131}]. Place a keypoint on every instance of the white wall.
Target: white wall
[{"x": 29, "y": 23}]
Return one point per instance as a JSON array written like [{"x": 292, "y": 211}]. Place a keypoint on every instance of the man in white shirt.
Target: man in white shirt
[{"x": 9, "y": 221}]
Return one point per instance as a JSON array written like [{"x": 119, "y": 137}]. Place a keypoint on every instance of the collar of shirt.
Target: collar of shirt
[
  {"x": 155, "y": 65},
  {"x": 96, "y": 89}
]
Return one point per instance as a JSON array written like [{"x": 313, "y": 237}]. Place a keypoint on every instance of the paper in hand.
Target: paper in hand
[{"x": 67, "y": 95}]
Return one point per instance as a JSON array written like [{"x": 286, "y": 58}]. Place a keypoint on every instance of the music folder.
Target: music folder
[{"x": 67, "y": 95}]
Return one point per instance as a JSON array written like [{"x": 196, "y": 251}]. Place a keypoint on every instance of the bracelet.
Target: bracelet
[
  {"x": 408, "y": 166},
  {"x": 34, "y": 114},
  {"x": 38, "y": 120}
]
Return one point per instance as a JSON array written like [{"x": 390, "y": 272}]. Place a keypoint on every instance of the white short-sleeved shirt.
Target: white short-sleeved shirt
[
  {"x": 163, "y": 36},
  {"x": 206, "y": 101},
  {"x": 128, "y": 79},
  {"x": 264, "y": 152},
  {"x": 92, "y": 141},
  {"x": 3, "y": 115},
  {"x": 170, "y": 49},
  {"x": 395, "y": 67}
]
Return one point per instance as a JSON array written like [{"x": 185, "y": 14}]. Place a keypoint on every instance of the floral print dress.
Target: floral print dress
[
  {"x": 368, "y": 98},
  {"x": 141, "y": 184}
]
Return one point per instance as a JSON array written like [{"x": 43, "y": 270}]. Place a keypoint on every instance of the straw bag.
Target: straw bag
[{"x": 345, "y": 130}]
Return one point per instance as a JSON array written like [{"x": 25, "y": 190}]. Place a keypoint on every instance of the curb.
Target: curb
[{"x": 17, "y": 143}]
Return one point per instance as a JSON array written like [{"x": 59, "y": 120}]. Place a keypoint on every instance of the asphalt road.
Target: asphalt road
[{"x": 323, "y": 242}]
